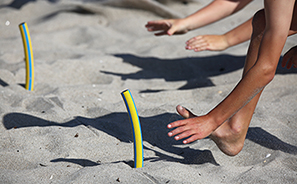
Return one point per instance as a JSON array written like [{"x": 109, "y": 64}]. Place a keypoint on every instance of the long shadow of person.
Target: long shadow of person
[
  {"x": 196, "y": 70},
  {"x": 154, "y": 132}
]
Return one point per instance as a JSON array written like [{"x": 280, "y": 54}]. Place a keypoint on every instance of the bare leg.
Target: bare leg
[
  {"x": 230, "y": 136},
  {"x": 236, "y": 36}
]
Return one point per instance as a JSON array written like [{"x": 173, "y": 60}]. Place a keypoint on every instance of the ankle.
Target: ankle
[{"x": 230, "y": 140}]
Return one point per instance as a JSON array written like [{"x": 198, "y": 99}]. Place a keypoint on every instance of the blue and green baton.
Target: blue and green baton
[
  {"x": 28, "y": 56},
  {"x": 137, "y": 135}
]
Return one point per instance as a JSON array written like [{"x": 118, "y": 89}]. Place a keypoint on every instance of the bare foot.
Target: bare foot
[
  {"x": 229, "y": 137},
  {"x": 207, "y": 42},
  {"x": 228, "y": 140},
  {"x": 185, "y": 113}
]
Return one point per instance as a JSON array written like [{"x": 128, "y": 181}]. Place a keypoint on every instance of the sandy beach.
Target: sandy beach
[{"x": 74, "y": 127}]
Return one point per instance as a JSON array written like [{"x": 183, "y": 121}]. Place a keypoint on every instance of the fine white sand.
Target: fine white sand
[{"x": 74, "y": 127}]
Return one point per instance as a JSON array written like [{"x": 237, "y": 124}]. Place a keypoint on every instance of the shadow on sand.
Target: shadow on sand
[
  {"x": 195, "y": 70},
  {"x": 18, "y": 4},
  {"x": 154, "y": 132}
]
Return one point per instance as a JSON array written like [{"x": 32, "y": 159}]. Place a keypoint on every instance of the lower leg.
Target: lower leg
[{"x": 230, "y": 136}]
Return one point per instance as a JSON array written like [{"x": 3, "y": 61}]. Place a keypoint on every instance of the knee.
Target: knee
[{"x": 258, "y": 23}]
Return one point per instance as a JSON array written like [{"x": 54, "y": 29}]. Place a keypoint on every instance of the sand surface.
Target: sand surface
[{"x": 74, "y": 127}]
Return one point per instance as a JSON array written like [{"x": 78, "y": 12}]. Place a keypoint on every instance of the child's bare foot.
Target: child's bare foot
[
  {"x": 185, "y": 113},
  {"x": 228, "y": 137},
  {"x": 207, "y": 42}
]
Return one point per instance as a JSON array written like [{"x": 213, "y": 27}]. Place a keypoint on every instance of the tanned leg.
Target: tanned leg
[{"x": 230, "y": 136}]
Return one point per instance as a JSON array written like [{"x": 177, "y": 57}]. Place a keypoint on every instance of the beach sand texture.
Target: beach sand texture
[{"x": 74, "y": 126}]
